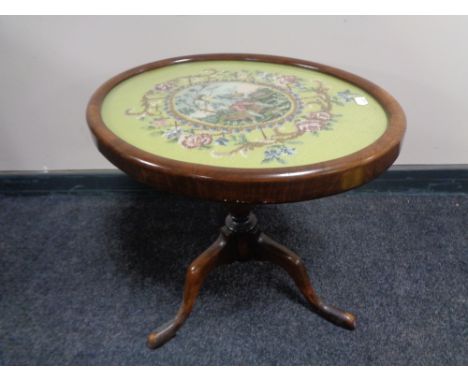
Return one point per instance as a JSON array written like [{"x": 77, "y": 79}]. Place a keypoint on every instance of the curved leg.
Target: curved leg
[
  {"x": 215, "y": 255},
  {"x": 269, "y": 250}
]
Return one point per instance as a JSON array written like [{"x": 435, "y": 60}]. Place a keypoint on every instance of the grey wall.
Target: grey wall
[{"x": 51, "y": 65}]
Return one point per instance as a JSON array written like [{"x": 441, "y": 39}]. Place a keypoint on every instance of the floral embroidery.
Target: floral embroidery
[
  {"x": 314, "y": 122},
  {"x": 276, "y": 153},
  {"x": 346, "y": 95},
  {"x": 192, "y": 141},
  {"x": 236, "y": 112}
]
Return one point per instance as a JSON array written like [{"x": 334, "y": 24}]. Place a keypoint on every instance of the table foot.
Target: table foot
[{"x": 163, "y": 334}]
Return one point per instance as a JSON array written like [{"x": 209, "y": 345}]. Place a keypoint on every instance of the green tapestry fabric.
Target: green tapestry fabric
[{"x": 243, "y": 114}]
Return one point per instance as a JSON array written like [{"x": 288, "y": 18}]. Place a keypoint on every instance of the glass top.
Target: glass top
[{"x": 243, "y": 114}]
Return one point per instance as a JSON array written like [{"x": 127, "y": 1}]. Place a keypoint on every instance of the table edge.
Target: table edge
[{"x": 252, "y": 185}]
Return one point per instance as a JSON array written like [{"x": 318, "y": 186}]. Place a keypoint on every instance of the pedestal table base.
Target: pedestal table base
[{"x": 240, "y": 239}]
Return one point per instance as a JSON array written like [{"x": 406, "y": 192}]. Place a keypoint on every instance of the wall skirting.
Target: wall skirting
[{"x": 401, "y": 178}]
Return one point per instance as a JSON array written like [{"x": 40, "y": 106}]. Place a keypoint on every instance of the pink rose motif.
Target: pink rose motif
[
  {"x": 309, "y": 125},
  {"x": 320, "y": 115},
  {"x": 315, "y": 121},
  {"x": 286, "y": 80},
  {"x": 194, "y": 141},
  {"x": 205, "y": 139},
  {"x": 161, "y": 122},
  {"x": 189, "y": 141},
  {"x": 163, "y": 87}
]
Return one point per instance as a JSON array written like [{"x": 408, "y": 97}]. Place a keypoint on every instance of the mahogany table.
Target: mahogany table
[{"x": 246, "y": 129}]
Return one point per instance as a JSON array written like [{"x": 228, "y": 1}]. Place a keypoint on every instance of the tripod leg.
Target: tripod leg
[
  {"x": 269, "y": 250},
  {"x": 218, "y": 253}
]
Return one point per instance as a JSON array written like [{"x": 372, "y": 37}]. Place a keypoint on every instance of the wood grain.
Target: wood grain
[{"x": 252, "y": 186}]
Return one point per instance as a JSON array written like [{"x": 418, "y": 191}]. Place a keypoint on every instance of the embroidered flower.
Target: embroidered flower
[
  {"x": 159, "y": 122},
  {"x": 309, "y": 125},
  {"x": 194, "y": 141},
  {"x": 222, "y": 141},
  {"x": 346, "y": 95},
  {"x": 287, "y": 80},
  {"x": 314, "y": 122},
  {"x": 164, "y": 86},
  {"x": 275, "y": 153},
  {"x": 205, "y": 139},
  {"x": 320, "y": 115},
  {"x": 173, "y": 134}
]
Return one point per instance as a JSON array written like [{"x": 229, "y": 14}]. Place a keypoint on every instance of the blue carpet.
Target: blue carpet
[{"x": 85, "y": 276}]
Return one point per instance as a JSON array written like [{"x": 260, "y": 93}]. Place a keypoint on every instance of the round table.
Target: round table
[{"x": 246, "y": 129}]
